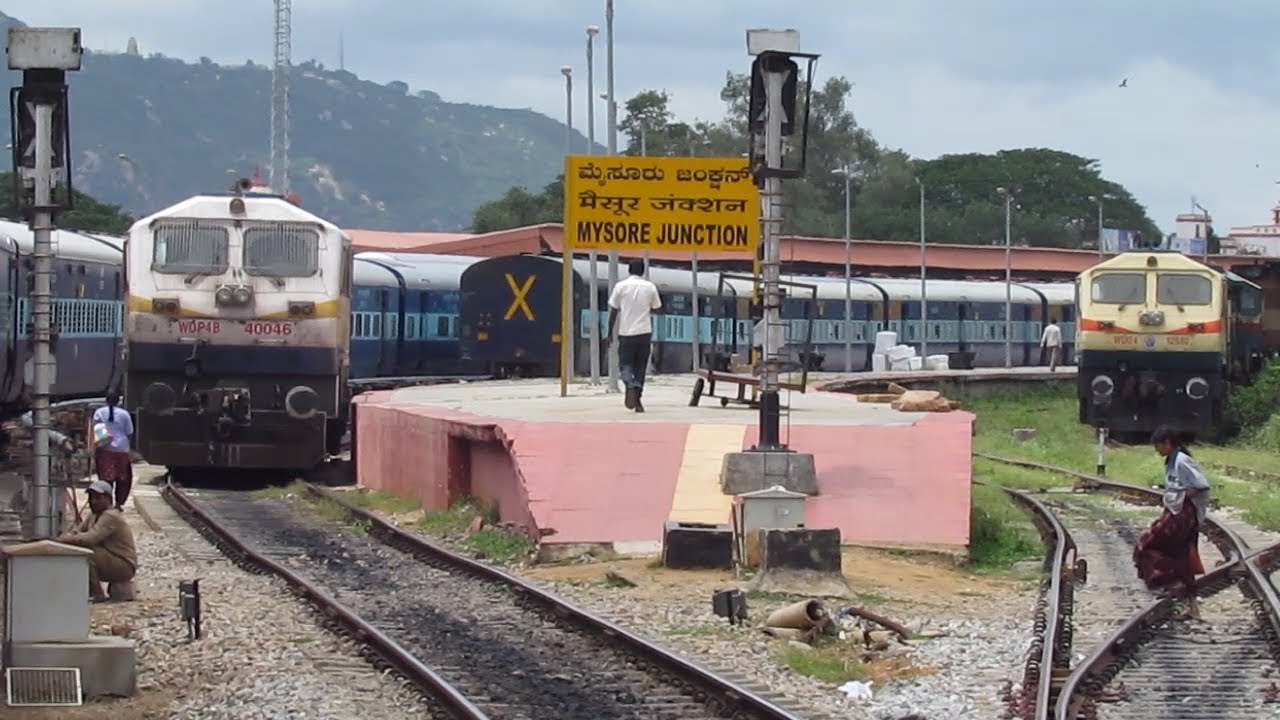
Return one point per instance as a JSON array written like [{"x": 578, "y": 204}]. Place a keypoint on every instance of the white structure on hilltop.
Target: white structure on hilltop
[{"x": 132, "y": 47}]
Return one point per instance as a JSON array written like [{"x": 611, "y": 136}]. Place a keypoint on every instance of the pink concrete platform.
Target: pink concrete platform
[{"x": 584, "y": 470}]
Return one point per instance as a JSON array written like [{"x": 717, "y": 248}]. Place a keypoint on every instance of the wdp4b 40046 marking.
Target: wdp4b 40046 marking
[{"x": 519, "y": 293}]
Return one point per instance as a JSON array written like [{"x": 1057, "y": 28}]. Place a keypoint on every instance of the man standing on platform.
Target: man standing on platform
[
  {"x": 632, "y": 303},
  {"x": 1052, "y": 342}
]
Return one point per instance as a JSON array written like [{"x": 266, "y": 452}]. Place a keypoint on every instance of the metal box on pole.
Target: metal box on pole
[{"x": 774, "y": 507}]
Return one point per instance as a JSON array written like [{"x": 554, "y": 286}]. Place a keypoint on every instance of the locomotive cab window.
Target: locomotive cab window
[
  {"x": 281, "y": 250},
  {"x": 186, "y": 247},
  {"x": 1249, "y": 301},
  {"x": 1119, "y": 288},
  {"x": 1183, "y": 289}
]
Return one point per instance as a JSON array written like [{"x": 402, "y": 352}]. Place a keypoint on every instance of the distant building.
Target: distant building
[
  {"x": 1256, "y": 240},
  {"x": 132, "y": 47},
  {"x": 1191, "y": 233}
]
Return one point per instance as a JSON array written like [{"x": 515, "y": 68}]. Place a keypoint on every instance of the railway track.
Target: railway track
[
  {"x": 478, "y": 642},
  {"x": 1153, "y": 665}
]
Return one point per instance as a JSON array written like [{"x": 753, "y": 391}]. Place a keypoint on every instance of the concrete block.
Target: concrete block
[
  {"x": 745, "y": 472},
  {"x": 108, "y": 665},
  {"x": 801, "y": 561},
  {"x": 687, "y": 545}
]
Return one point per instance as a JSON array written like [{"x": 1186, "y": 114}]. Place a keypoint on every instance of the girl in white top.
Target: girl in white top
[{"x": 111, "y": 458}]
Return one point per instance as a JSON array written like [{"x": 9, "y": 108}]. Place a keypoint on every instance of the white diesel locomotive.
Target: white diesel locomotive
[{"x": 237, "y": 333}]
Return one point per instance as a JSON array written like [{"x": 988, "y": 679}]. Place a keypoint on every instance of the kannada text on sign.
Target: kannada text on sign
[{"x": 661, "y": 203}]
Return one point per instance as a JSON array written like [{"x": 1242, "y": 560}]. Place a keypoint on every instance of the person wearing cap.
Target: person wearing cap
[{"x": 106, "y": 532}]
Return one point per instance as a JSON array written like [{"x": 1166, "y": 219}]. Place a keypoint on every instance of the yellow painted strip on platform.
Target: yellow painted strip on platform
[{"x": 697, "y": 496}]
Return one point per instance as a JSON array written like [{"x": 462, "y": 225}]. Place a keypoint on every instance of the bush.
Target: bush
[{"x": 1250, "y": 408}]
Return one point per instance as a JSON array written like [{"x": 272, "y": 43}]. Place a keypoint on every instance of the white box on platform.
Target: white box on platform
[
  {"x": 879, "y": 362},
  {"x": 915, "y": 362},
  {"x": 900, "y": 352},
  {"x": 885, "y": 340},
  {"x": 900, "y": 365},
  {"x": 937, "y": 362}
]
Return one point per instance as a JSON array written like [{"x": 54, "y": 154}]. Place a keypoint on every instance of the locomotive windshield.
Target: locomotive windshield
[
  {"x": 1249, "y": 301},
  {"x": 281, "y": 250},
  {"x": 1119, "y": 288},
  {"x": 186, "y": 247},
  {"x": 1183, "y": 289}
]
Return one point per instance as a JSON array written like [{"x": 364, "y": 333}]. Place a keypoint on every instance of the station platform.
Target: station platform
[{"x": 584, "y": 470}]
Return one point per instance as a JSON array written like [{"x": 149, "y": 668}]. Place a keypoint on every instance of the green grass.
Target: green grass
[
  {"x": 498, "y": 546},
  {"x": 1000, "y": 532},
  {"x": 382, "y": 501},
  {"x": 457, "y": 518},
  {"x": 1063, "y": 441},
  {"x": 825, "y": 662}
]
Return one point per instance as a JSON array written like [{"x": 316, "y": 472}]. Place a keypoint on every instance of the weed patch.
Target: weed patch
[{"x": 1000, "y": 533}]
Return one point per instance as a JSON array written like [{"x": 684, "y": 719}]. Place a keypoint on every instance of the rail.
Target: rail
[
  {"x": 1051, "y": 647},
  {"x": 1248, "y": 569},
  {"x": 335, "y": 612},
  {"x": 737, "y": 698}
]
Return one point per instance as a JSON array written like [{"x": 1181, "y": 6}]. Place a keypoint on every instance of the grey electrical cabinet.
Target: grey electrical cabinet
[{"x": 772, "y": 508}]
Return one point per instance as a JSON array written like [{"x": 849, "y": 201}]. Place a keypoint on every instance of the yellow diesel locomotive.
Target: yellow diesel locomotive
[{"x": 1162, "y": 339}]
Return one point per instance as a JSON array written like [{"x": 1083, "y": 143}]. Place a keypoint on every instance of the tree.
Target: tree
[
  {"x": 647, "y": 123},
  {"x": 518, "y": 208},
  {"x": 1051, "y": 191},
  {"x": 87, "y": 213}
]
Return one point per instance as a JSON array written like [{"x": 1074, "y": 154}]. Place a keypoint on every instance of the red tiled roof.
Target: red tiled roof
[{"x": 402, "y": 241}]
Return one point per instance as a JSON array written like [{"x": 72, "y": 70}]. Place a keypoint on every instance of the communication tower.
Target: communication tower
[{"x": 280, "y": 100}]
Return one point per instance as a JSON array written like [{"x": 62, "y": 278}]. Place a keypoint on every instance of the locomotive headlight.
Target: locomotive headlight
[
  {"x": 1102, "y": 386},
  {"x": 306, "y": 308},
  {"x": 243, "y": 295},
  {"x": 301, "y": 402},
  {"x": 1197, "y": 388},
  {"x": 224, "y": 296}
]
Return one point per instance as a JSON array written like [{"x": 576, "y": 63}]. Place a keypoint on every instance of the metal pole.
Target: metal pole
[
  {"x": 1099, "y": 228},
  {"x": 697, "y": 318},
  {"x": 568, "y": 337},
  {"x": 848, "y": 275},
  {"x": 613, "y": 150},
  {"x": 43, "y": 495},
  {"x": 1102, "y": 452},
  {"x": 924, "y": 289},
  {"x": 593, "y": 275},
  {"x": 770, "y": 435},
  {"x": 1008, "y": 282}
]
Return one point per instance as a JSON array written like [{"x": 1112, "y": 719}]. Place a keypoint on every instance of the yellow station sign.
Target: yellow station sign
[{"x": 689, "y": 204}]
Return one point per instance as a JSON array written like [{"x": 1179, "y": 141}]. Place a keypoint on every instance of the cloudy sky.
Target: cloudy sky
[{"x": 1200, "y": 115}]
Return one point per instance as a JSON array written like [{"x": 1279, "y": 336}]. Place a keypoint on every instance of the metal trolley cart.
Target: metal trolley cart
[{"x": 719, "y": 368}]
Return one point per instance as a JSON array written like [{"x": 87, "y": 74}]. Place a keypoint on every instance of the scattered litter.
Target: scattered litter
[{"x": 856, "y": 690}]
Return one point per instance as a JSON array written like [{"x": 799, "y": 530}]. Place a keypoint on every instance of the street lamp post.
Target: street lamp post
[
  {"x": 1208, "y": 220},
  {"x": 593, "y": 276},
  {"x": 847, "y": 331},
  {"x": 1008, "y": 277},
  {"x": 1098, "y": 200},
  {"x": 567, "y": 71},
  {"x": 613, "y": 150},
  {"x": 924, "y": 292}
]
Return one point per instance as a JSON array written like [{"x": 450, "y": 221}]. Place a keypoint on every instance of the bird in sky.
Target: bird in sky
[{"x": 1124, "y": 82}]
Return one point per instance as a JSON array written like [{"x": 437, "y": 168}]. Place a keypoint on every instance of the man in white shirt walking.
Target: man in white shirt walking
[
  {"x": 632, "y": 302},
  {"x": 1052, "y": 341}
]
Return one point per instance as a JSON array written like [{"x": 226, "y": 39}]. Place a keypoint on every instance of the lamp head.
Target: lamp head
[
  {"x": 566, "y": 70},
  {"x": 592, "y": 30}
]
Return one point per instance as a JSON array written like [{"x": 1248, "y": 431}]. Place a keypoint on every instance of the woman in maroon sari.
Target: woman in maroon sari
[
  {"x": 112, "y": 458},
  {"x": 1167, "y": 555}
]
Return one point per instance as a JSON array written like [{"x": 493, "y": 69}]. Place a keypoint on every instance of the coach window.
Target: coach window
[
  {"x": 1250, "y": 301},
  {"x": 281, "y": 250},
  {"x": 189, "y": 247},
  {"x": 1120, "y": 288},
  {"x": 1183, "y": 289}
]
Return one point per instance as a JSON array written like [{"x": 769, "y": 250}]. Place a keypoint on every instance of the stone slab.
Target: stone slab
[
  {"x": 686, "y": 546},
  {"x": 801, "y": 561},
  {"x": 752, "y": 471},
  {"x": 108, "y": 665}
]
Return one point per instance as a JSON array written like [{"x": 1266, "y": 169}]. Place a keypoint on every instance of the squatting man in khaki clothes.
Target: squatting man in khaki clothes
[{"x": 107, "y": 534}]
